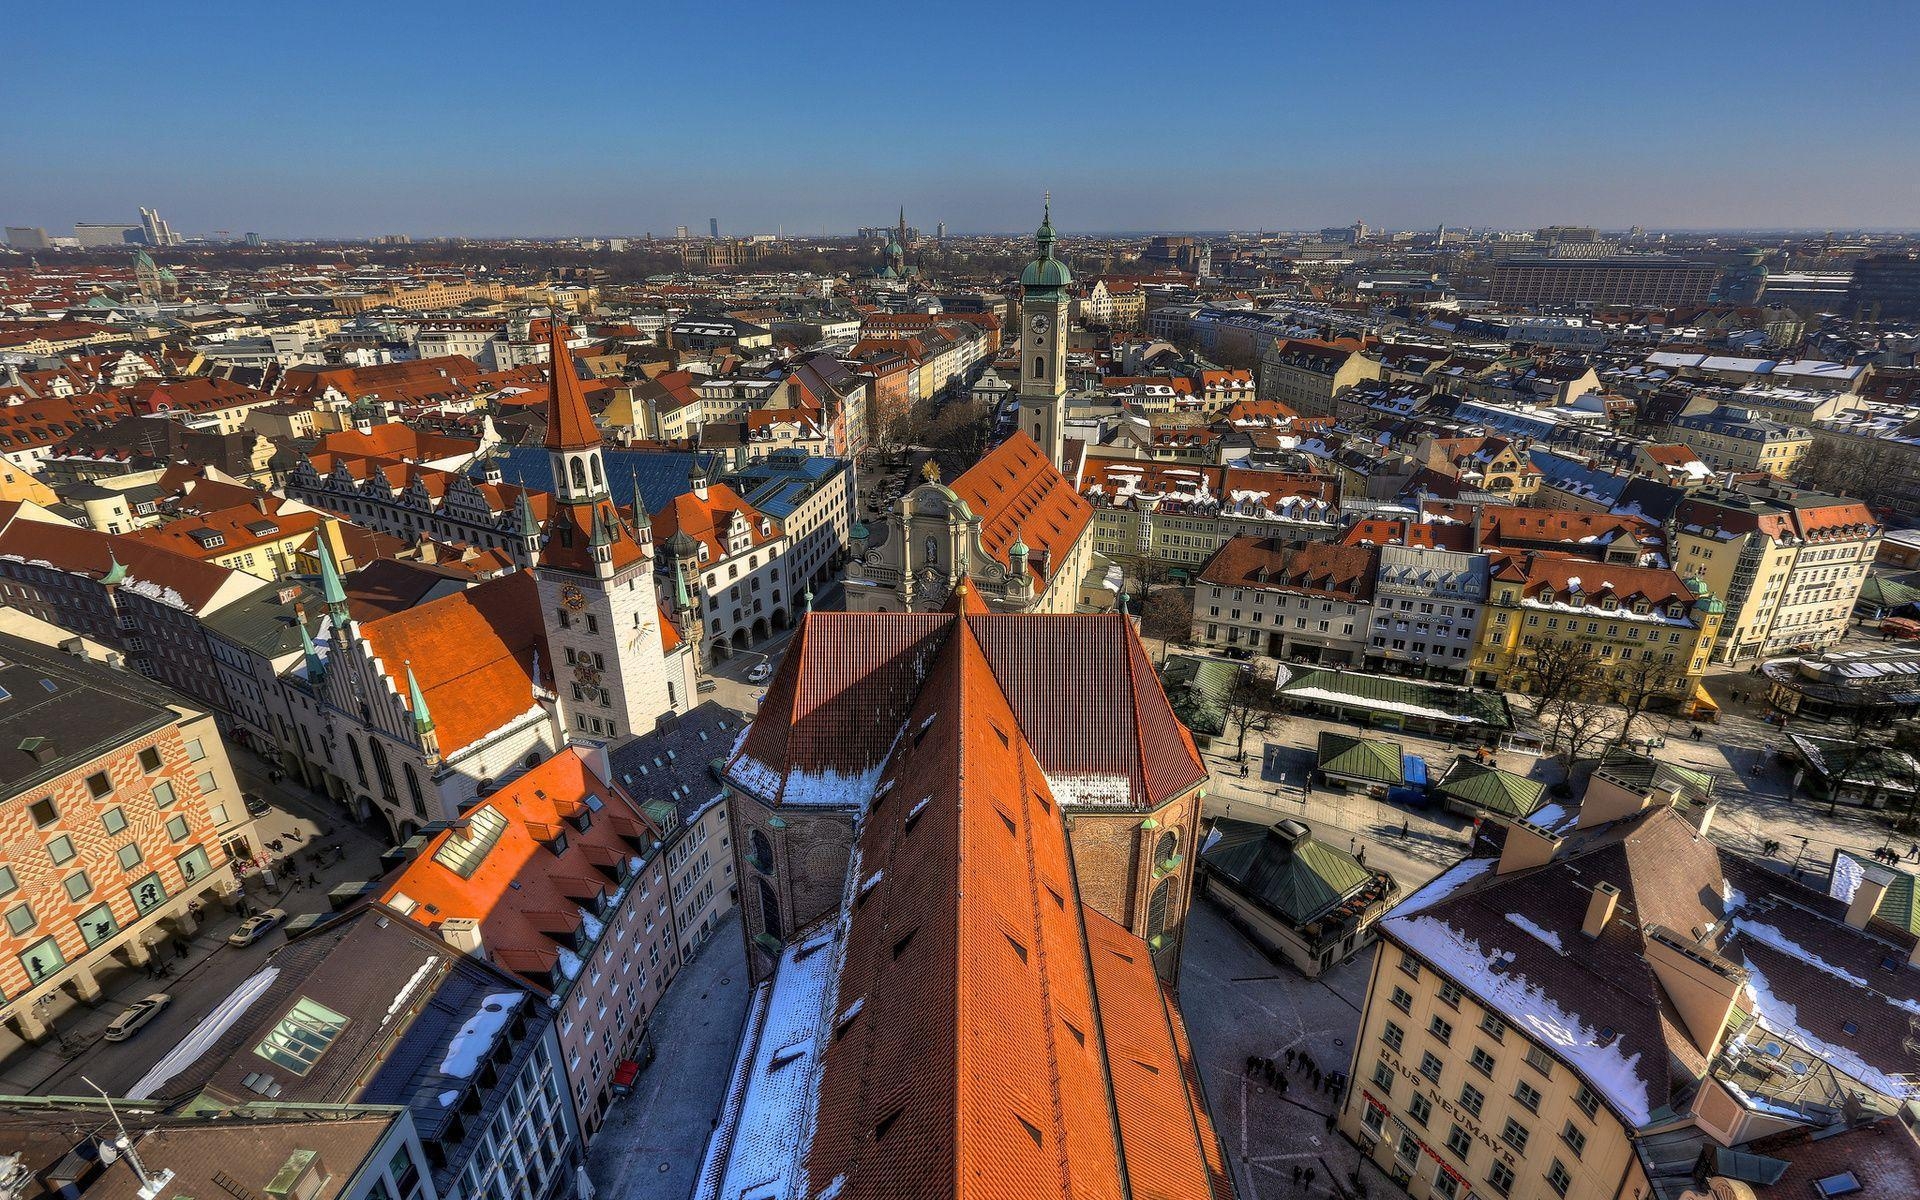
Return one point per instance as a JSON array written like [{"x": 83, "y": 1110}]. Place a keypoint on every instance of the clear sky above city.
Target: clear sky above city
[{"x": 483, "y": 118}]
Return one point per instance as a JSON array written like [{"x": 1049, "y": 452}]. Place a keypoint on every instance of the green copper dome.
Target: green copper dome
[{"x": 1046, "y": 271}]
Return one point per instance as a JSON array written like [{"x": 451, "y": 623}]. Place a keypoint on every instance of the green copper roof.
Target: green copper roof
[
  {"x": 1490, "y": 788},
  {"x": 1900, "y": 906},
  {"x": 1046, "y": 271},
  {"x": 117, "y": 573},
  {"x": 1019, "y": 546},
  {"x": 1283, "y": 868},
  {"x": 1891, "y": 591},
  {"x": 1370, "y": 760},
  {"x": 1391, "y": 694},
  {"x": 422, "y": 719},
  {"x": 331, "y": 589},
  {"x": 681, "y": 601}
]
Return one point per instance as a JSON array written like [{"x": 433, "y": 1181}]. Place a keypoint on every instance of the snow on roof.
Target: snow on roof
[
  {"x": 1091, "y": 791},
  {"x": 205, "y": 1034},
  {"x": 471, "y": 1045},
  {"x": 1526, "y": 1006}
]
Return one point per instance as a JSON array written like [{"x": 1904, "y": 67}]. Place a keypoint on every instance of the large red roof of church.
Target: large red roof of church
[
  {"x": 981, "y": 1033},
  {"x": 1082, "y": 688},
  {"x": 1017, "y": 493}
]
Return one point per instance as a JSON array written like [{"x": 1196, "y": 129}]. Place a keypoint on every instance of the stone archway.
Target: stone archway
[
  {"x": 780, "y": 619},
  {"x": 759, "y": 629},
  {"x": 739, "y": 639}
]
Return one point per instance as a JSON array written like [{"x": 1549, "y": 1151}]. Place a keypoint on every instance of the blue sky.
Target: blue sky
[{"x": 485, "y": 118}]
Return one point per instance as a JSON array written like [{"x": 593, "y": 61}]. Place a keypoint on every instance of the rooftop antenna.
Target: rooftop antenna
[{"x": 150, "y": 1185}]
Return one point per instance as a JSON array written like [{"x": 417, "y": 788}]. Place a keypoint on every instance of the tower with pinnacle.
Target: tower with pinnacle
[
  {"x": 595, "y": 577},
  {"x": 1044, "y": 309}
]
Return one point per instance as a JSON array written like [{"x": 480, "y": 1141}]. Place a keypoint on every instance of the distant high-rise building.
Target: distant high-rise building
[
  {"x": 940, "y": 231},
  {"x": 253, "y": 239},
  {"x": 89, "y": 233},
  {"x": 155, "y": 229},
  {"x": 713, "y": 228},
  {"x": 680, "y": 231},
  {"x": 1885, "y": 285},
  {"x": 28, "y": 237}
]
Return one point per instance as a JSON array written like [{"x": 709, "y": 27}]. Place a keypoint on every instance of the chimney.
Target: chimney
[
  {"x": 463, "y": 934},
  {"x": 1600, "y": 908},
  {"x": 1527, "y": 846},
  {"x": 1702, "y": 816},
  {"x": 1867, "y": 896}
]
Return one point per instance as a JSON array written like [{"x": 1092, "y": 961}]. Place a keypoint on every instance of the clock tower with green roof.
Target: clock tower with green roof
[{"x": 1044, "y": 309}]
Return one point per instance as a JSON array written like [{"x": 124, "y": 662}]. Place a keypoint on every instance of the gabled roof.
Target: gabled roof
[
  {"x": 529, "y": 896},
  {"x": 473, "y": 653},
  {"x": 979, "y": 1032},
  {"x": 569, "y": 422},
  {"x": 1018, "y": 494},
  {"x": 1285, "y": 868},
  {"x": 839, "y": 700},
  {"x": 1490, "y": 788},
  {"x": 1371, "y": 760}
]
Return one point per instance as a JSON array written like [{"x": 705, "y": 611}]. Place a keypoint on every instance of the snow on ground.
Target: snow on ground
[{"x": 205, "y": 1034}]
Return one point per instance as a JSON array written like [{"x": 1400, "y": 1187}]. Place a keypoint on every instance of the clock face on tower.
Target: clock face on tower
[
  {"x": 573, "y": 597},
  {"x": 1039, "y": 323}
]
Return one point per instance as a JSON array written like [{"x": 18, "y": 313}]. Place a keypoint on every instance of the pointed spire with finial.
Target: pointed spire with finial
[
  {"x": 417, "y": 701},
  {"x": 310, "y": 653},
  {"x": 809, "y": 600},
  {"x": 642, "y": 520},
  {"x": 331, "y": 589},
  {"x": 116, "y": 570}
]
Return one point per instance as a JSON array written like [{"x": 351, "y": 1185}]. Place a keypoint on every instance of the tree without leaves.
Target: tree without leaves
[
  {"x": 1168, "y": 617},
  {"x": 1250, "y": 708},
  {"x": 1554, "y": 672},
  {"x": 1638, "y": 686},
  {"x": 1581, "y": 727}
]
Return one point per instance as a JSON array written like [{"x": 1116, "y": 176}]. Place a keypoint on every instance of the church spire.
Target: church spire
[
  {"x": 331, "y": 589},
  {"x": 569, "y": 423},
  {"x": 316, "y": 666},
  {"x": 422, "y": 719}
]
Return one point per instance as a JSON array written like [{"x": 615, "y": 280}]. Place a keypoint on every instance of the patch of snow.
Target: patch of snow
[
  {"x": 476, "y": 1037},
  {"x": 1327, "y": 696},
  {"x": 447, "y": 1099},
  {"x": 918, "y": 807},
  {"x": 205, "y": 1034},
  {"x": 872, "y": 881},
  {"x": 1524, "y": 1005},
  {"x": 1784, "y": 1019},
  {"x": 1443, "y": 885},
  {"x": 570, "y": 963},
  {"x": 1847, "y": 874},
  {"x": 1548, "y": 936},
  {"x": 591, "y": 924},
  {"x": 1091, "y": 790},
  {"x": 830, "y": 789},
  {"x": 406, "y": 989}
]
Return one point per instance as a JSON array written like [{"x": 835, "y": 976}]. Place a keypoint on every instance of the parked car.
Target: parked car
[
  {"x": 256, "y": 927},
  {"x": 255, "y": 805},
  {"x": 136, "y": 1017},
  {"x": 761, "y": 672}
]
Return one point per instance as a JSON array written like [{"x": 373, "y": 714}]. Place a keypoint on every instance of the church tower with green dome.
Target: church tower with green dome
[{"x": 1044, "y": 309}]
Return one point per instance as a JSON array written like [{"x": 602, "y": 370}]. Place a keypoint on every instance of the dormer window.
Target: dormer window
[
  {"x": 1676, "y": 612},
  {"x": 1608, "y": 604},
  {"x": 1576, "y": 597},
  {"x": 1640, "y": 607},
  {"x": 1546, "y": 595}
]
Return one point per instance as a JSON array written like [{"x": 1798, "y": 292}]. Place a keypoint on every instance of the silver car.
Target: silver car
[{"x": 136, "y": 1017}]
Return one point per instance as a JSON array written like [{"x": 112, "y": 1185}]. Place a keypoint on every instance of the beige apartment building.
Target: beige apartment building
[
  {"x": 1613, "y": 999},
  {"x": 1738, "y": 439},
  {"x": 1789, "y": 563},
  {"x": 1306, "y": 374}
]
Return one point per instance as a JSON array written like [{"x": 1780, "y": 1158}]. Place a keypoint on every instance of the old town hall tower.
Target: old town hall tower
[{"x": 595, "y": 575}]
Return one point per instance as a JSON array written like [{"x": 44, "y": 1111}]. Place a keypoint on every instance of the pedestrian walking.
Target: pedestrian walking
[
  {"x": 1280, "y": 1083},
  {"x": 1296, "y": 1174},
  {"x": 1361, "y": 857},
  {"x": 1309, "y": 1177},
  {"x": 1290, "y": 1060},
  {"x": 1913, "y": 851},
  {"x": 1406, "y": 826}
]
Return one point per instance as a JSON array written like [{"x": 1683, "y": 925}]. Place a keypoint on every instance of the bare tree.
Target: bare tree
[
  {"x": 1639, "y": 685},
  {"x": 1556, "y": 672},
  {"x": 1168, "y": 616},
  {"x": 1250, "y": 707},
  {"x": 1580, "y": 727},
  {"x": 963, "y": 429}
]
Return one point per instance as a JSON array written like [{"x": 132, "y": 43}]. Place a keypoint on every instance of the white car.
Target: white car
[
  {"x": 256, "y": 927},
  {"x": 761, "y": 673},
  {"x": 136, "y": 1017}
]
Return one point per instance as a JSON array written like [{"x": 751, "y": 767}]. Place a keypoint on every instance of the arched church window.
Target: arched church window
[
  {"x": 579, "y": 474},
  {"x": 1168, "y": 846},
  {"x": 1160, "y": 908},
  {"x": 769, "y": 909},
  {"x": 1039, "y": 365},
  {"x": 383, "y": 768},
  {"x": 596, "y": 471},
  {"x": 762, "y": 850}
]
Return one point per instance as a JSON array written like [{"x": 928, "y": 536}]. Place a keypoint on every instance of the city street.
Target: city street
[
  {"x": 210, "y": 968},
  {"x": 652, "y": 1142}
]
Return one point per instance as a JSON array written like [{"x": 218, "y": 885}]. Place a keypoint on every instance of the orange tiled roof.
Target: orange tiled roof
[
  {"x": 972, "y": 1054},
  {"x": 1016, "y": 492},
  {"x": 528, "y": 899},
  {"x": 706, "y": 521},
  {"x": 473, "y": 653}
]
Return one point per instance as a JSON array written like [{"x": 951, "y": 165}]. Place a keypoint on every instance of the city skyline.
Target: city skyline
[{"x": 1491, "y": 116}]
